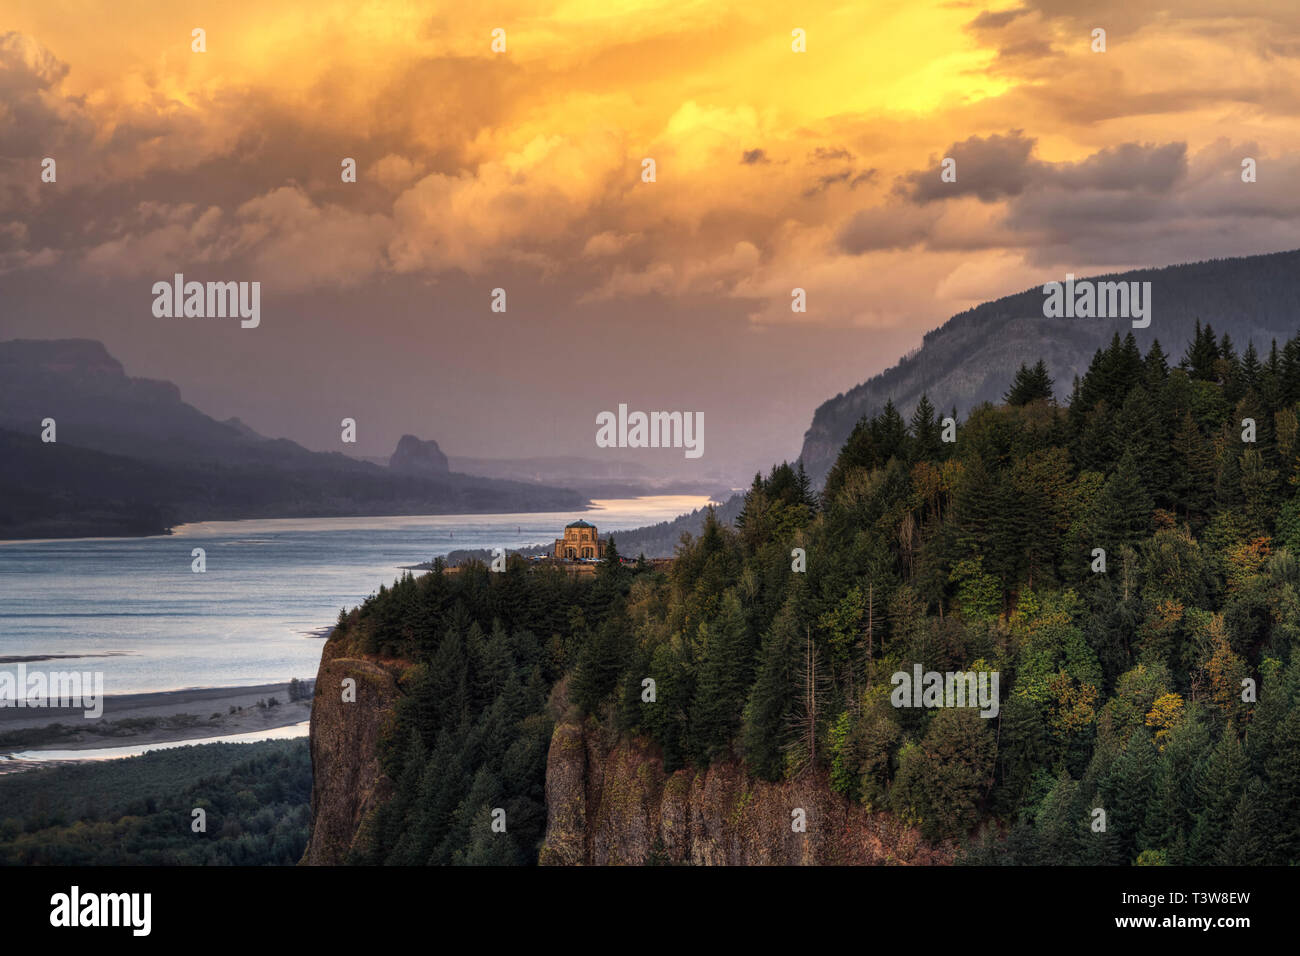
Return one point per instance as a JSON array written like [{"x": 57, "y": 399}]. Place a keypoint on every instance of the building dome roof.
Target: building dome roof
[{"x": 580, "y": 524}]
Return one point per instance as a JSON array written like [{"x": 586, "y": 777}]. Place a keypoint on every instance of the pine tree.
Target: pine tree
[
  {"x": 890, "y": 434},
  {"x": 1030, "y": 385},
  {"x": 752, "y": 520},
  {"x": 1129, "y": 792},
  {"x": 1283, "y": 794},
  {"x": 1249, "y": 375},
  {"x": 1227, "y": 479},
  {"x": 1227, "y": 370},
  {"x": 1270, "y": 381},
  {"x": 1289, "y": 373},
  {"x": 1129, "y": 365},
  {"x": 1192, "y": 482},
  {"x": 859, "y": 452},
  {"x": 1057, "y": 824},
  {"x": 1156, "y": 366},
  {"x": 1247, "y": 841},
  {"x": 1088, "y": 391},
  {"x": 725, "y": 674},
  {"x": 1220, "y": 792},
  {"x": 772, "y": 697},
  {"x": 926, "y": 432},
  {"x": 1122, "y": 512},
  {"x": 1258, "y": 492},
  {"x": 807, "y": 497},
  {"x": 1202, "y": 354},
  {"x": 1137, "y": 424},
  {"x": 600, "y": 662},
  {"x": 1171, "y": 815}
]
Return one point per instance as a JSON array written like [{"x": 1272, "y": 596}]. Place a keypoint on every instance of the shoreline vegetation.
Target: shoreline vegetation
[{"x": 194, "y": 713}]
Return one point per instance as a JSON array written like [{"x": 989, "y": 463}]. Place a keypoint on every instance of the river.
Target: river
[{"x": 134, "y": 609}]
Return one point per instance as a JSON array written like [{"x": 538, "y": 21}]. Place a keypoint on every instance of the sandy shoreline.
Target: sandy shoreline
[{"x": 162, "y": 717}]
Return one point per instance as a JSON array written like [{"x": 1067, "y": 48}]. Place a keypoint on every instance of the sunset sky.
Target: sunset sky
[{"x": 522, "y": 170}]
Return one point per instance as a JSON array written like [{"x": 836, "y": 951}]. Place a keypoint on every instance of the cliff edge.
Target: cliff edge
[
  {"x": 347, "y": 782},
  {"x": 611, "y": 803}
]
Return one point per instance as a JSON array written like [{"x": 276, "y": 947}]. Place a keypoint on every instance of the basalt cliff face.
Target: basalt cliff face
[
  {"x": 610, "y": 802},
  {"x": 347, "y": 782}
]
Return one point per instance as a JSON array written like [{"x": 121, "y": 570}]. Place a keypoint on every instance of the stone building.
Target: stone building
[{"x": 580, "y": 541}]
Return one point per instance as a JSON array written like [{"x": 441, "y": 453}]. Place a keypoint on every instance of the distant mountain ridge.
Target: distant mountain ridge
[
  {"x": 971, "y": 357},
  {"x": 131, "y": 457}
]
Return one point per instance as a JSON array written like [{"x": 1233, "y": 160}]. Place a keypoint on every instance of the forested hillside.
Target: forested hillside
[
  {"x": 1157, "y": 683},
  {"x": 139, "y": 811},
  {"x": 970, "y": 358}
]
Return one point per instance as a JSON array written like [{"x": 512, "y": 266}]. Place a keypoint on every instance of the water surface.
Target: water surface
[{"x": 134, "y": 609}]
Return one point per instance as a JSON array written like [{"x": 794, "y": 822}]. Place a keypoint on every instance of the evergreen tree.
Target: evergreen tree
[
  {"x": 1202, "y": 355},
  {"x": 926, "y": 432},
  {"x": 1289, "y": 373},
  {"x": 1122, "y": 512},
  {"x": 1030, "y": 385},
  {"x": 599, "y": 664},
  {"x": 1250, "y": 370},
  {"x": 890, "y": 434},
  {"x": 1247, "y": 841},
  {"x": 859, "y": 453},
  {"x": 772, "y": 697},
  {"x": 1129, "y": 791},
  {"x": 725, "y": 674},
  {"x": 1283, "y": 795},
  {"x": 1193, "y": 472},
  {"x": 1156, "y": 368},
  {"x": 1220, "y": 792}
]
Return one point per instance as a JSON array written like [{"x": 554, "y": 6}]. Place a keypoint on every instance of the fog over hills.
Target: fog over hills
[{"x": 971, "y": 357}]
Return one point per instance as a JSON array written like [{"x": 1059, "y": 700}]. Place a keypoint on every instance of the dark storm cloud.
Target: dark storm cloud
[
  {"x": 990, "y": 168},
  {"x": 1002, "y": 167},
  {"x": 1108, "y": 207},
  {"x": 893, "y": 226},
  {"x": 1129, "y": 166}
]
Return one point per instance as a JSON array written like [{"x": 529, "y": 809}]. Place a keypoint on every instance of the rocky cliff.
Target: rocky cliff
[
  {"x": 347, "y": 783},
  {"x": 610, "y": 802},
  {"x": 415, "y": 457}
]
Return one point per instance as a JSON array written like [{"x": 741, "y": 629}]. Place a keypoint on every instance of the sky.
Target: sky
[{"x": 522, "y": 169}]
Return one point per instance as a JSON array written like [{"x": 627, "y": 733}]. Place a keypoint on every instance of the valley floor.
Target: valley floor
[{"x": 134, "y": 719}]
